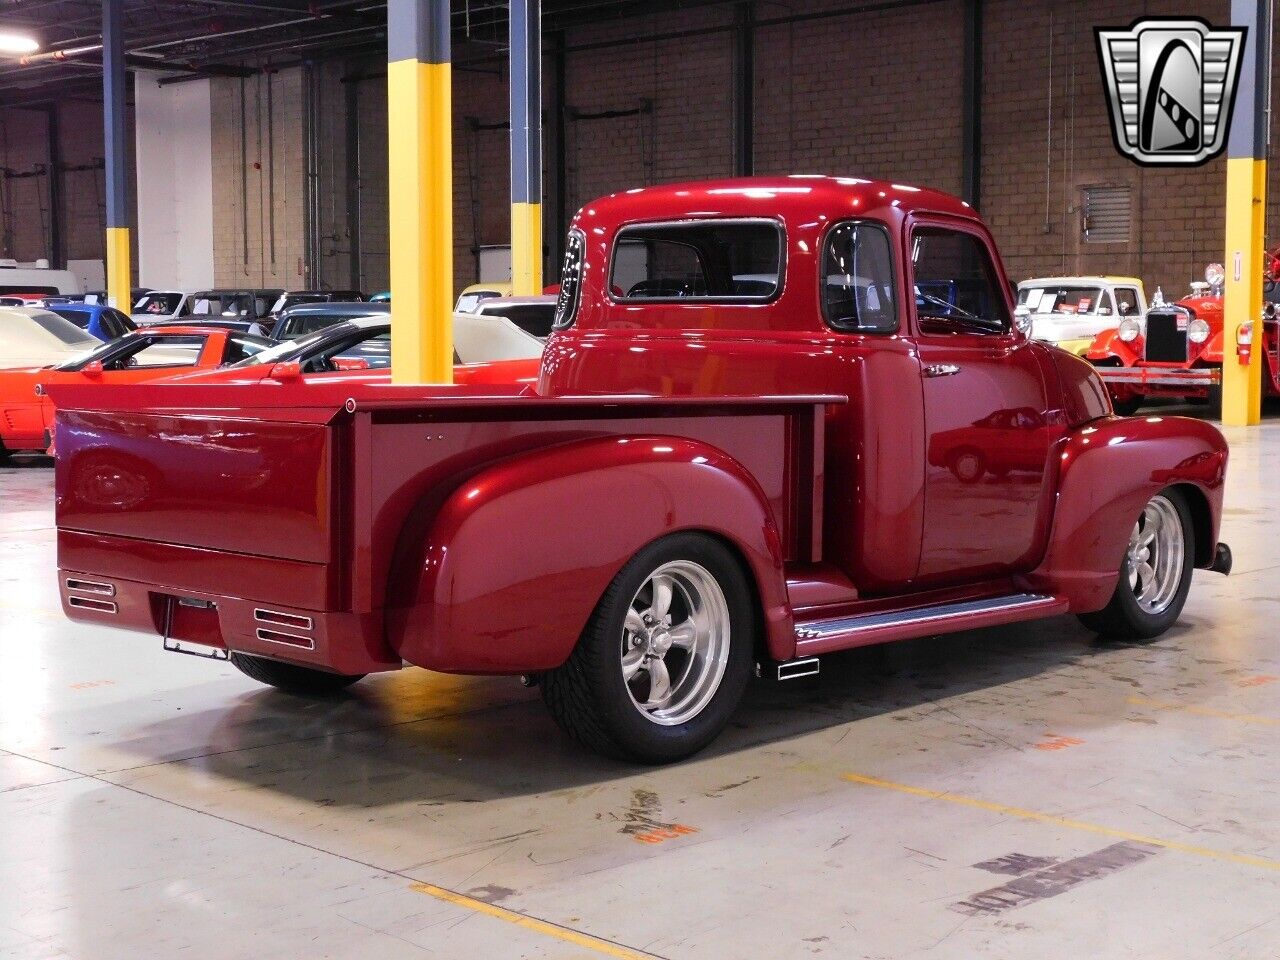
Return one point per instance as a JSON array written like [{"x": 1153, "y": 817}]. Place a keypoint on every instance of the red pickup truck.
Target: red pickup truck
[{"x": 777, "y": 418}]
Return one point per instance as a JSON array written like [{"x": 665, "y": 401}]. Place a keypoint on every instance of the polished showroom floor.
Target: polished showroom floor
[{"x": 1025, "y": 792}]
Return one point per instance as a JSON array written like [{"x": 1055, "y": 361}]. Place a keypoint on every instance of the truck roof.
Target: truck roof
[
  {"x": 793, "y": 196},
  {"x": 1083, "y": 280}
]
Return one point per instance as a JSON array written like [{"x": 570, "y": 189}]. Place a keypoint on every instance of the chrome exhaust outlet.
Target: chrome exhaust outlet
[{"x": 1221, "y": 560}]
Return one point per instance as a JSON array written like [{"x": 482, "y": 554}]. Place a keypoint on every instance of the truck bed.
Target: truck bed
[{"x": 216, "y": 516}]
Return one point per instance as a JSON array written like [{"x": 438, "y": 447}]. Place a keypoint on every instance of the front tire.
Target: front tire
[
  {"x": 290, "y": 677},
  {"x": 1155, "y": 574},
  {"x": 665, "y": 657}
]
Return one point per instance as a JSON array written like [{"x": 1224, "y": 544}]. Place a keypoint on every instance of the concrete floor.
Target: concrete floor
[{"x": 1026, "y": 792}]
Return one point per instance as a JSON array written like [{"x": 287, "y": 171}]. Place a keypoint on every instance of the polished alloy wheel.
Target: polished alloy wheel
[
  {"x": 1157, "y": 549},
  {"x": 675, "y": 643}
]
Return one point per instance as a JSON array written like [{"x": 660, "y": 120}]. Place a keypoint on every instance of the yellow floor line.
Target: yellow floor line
[
  {"x": 606, "y": 947},
  {"x": 1204, "y": 711},
  {"x": 1242, "y": 858}
]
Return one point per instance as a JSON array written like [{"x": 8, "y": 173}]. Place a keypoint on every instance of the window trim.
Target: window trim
[
  {"x": 1010, "y": 331},
  {"x": 893, "y": 271},
  {"x": 620, "y": 234}
]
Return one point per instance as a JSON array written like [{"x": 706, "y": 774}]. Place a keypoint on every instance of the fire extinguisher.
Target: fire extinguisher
[{"x": 1244, "y": 343}]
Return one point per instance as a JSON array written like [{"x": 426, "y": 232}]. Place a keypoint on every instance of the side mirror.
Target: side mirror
[
  {"x": 93, "y": 370},
  {"x": 286, "y": 370}
]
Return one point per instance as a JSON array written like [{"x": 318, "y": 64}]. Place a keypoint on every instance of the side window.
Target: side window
[
  {"x": 1127, "y": 302},
  {"x": 857, "y": 277},
  {"x": 956, "y": 284},
  {"x": 710, "y": 260},
  {"x": 570, "y": 281}
]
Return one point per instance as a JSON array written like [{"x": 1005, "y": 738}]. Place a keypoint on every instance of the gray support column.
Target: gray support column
[
  {"x": 118, "y": 154},
  {"x": 526, "y": 146},
  {"x": 971, "y": 105}
]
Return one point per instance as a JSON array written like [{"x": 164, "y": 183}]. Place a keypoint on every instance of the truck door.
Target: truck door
[{"x": 988, "y": 421}]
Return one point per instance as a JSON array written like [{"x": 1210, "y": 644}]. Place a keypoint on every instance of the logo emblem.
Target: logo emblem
[{"x": 1171, "y": 84}]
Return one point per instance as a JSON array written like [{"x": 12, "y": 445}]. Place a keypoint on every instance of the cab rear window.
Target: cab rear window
[{"x": 725, "y": 261}]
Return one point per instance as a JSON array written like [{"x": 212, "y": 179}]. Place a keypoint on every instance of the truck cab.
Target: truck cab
[{"x": 775, "y": 418}]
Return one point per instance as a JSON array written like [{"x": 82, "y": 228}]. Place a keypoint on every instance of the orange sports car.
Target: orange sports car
[{"x": 26, "y": 412}]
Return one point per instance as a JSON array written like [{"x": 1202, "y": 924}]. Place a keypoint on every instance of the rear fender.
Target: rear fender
[
  {"x": 518, "y": 557},
  {"x": 1108, "y": 471}
]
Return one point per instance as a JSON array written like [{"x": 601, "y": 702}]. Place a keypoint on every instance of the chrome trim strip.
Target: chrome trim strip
[
  {"x": 1188, "y": 378},
  {"x": 88, "y": 603},
  {"x": 295, "y": 641},
  {"x": 821, "y": 629},
  {"x": 91, "y": 586},
  {"x": 262, "y": 615}
]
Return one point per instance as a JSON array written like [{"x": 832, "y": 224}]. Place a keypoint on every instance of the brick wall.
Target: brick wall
[
  {"x": 25, "y": 216},
  {"x": 251, "y": 246},
  {"x": 1046, "y": 136},
  {"x": 875, "y": 93}
]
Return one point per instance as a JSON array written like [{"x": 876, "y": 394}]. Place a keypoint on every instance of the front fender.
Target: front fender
[
  {"x": 518, "y": 557},
  {"x": 1107, "y": 346},
  {"x": 1108, "y": 471}
]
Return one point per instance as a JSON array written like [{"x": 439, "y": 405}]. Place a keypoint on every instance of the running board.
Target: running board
[{"x": 821, "y": 636}]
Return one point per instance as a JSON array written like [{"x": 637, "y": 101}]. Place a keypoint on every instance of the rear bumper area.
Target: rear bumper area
[{"x": 277, "y": 610}]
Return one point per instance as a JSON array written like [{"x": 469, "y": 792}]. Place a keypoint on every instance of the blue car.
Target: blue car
[{"x": 101, "y": 321}]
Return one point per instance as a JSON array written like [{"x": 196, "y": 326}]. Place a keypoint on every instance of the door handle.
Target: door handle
[{"x": 941, "y": 370}]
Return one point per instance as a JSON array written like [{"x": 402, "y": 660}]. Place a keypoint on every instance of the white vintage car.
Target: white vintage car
[
  {"x": 31, "y": 337},
  {"x": 1071, "y": 311}
]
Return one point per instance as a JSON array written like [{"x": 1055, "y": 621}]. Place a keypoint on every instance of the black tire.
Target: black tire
[
  {"x": 1122, "y": 618},
  {"x": 290, "y": 677},
  {"x": 1128, "y": 406},
  {"x": 968, "y": 465},
  {"x": 588, "y": 696},
  {"x": 5, "y": 453},
  {"x": 1215, "y": 401}
]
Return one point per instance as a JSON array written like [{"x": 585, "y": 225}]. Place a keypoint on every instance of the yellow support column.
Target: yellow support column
[
  {"x": 525, "y": 60},
  {"x": 420, "y": 153},
  {"x": 1246, "y": 209},
  {"x": 1246, "y": 213},
  {"x": 117, "y": 158},
  {"x": 119, "y": 269},
  {"x": 526, "y": 249}
]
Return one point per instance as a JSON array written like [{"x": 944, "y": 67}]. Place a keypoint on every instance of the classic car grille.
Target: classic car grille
[{"x": 1165, "y": 342}]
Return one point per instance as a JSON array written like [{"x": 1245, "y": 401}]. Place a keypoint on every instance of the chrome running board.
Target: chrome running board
[{"x": 819, "y": 635}]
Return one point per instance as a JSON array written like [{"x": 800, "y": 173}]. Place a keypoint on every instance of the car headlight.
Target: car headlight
[
  {"x": 1129, "y": 329},
  {"x": 1197, "y": 331}
]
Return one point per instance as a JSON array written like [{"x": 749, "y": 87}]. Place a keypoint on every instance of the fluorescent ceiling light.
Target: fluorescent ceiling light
[{"x": 17, "y": 43}]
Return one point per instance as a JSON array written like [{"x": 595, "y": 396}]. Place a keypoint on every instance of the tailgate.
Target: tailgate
[{"x": 257, "y": 482}]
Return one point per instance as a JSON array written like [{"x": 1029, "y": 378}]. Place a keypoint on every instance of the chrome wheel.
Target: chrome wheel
[
  {"x": 1157, "y": 551},
  {"x": 675, "y": 643}
]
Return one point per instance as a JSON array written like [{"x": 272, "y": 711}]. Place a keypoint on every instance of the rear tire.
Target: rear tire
[
  {"x": 1155, "y": 574},
  {"x": 664, "y": 659},
  {"x": 290, "y": 677},
  {"x": 5, "y": 453},
  {"x": 1215, "y": 401}
]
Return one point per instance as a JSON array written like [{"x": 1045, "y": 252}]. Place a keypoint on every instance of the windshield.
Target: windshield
[
  {"x": 284, "y": 351},
  {"x": 1060, "y": 299},
  {"x": 159, "y": 304},
  {"x": 59, "y": 327}
]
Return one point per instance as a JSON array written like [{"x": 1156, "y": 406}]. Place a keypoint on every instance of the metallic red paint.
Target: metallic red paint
[{"x": 473, "y": 528}]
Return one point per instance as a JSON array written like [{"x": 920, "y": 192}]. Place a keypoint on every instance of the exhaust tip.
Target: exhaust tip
[{"x": 1221, "y": 560}]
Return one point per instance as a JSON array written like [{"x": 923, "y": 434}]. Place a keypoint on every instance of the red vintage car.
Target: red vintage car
[
  {"x": 27, "y": 413},
  {"x": 1178, "y": 350},
  {"x": 736, "y": 460}
]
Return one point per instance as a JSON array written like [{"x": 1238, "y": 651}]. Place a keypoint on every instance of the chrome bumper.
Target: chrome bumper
[{"x": 1158, "y": 377}]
